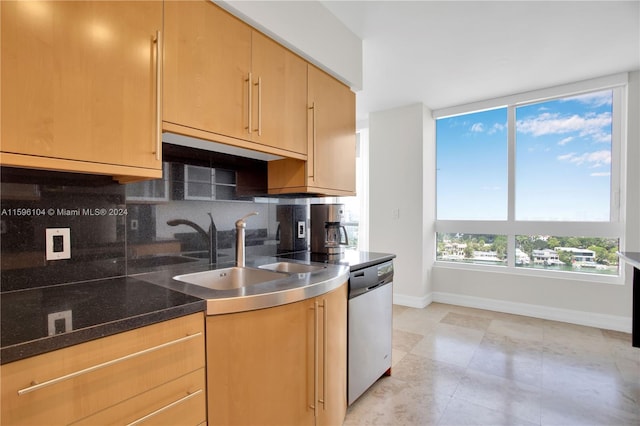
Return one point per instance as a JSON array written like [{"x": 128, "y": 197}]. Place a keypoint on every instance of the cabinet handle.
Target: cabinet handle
[
  {"x": 166, "y": 407},
  {"x": 158, "y": 129},
  {"x": 313, "y": 141},
  {"x": 249, "y": 88},
  {"x": 324, "y": 352},
  {"x": 35, "y": 386},
  {"x": 259, "y": 84},
  {"x": 315, "y": 358}
]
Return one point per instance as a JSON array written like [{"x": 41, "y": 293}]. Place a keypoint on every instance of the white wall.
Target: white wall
[
  {"x": 402, "y": 176},
  {"x": 633, "y": 164},
  {"x": 400, "y": 216},
  {"x": 310, "y": 30}
]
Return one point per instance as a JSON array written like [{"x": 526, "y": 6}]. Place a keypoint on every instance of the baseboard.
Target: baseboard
[
  {"x": 412, "y": 301},
  {"x": 591, "y": 319}
]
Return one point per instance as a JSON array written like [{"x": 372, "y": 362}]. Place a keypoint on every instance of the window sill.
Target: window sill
[{"x": 537, "y": 273}]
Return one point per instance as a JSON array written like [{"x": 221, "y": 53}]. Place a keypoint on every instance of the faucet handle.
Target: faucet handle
[{"x": 240, "y": 222}]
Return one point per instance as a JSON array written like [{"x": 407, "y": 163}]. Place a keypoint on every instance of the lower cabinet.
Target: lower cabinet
[
  {"x": 279, "y": 366},
  {"x": 151, "y": 375}
]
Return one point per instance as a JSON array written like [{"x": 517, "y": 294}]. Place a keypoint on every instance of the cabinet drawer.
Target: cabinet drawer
[
  {"x": 75, "y": 382},
  {"x": 179, "y": 402}
]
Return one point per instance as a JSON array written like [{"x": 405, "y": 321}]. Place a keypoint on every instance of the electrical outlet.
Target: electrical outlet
[
  {"x": 58, "y": 243},
  {"x": 59, "y": 322},
  {"x": 302, "y": 226}
]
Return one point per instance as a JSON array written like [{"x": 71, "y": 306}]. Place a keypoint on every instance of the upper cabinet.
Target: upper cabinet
[
  {"x": 90, "y": 86},
  {"x": 207, "y": 59},
  {"x": 226, "y": 82},
  {"x": 330, "y": 165},
  {"x": 80, "y": 87},
  {"x": 279, "y": 98}
]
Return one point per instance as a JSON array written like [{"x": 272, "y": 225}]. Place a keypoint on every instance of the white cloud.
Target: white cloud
[
  {"x": 592, "y": 159},
  {"x": 593, "y": 99},
  {"x": 596, "y": 126},
  {"x": 565, "y": 141},
  {"x": 497, "y": 127},
  {"x": 566, "y": 157},
  {"x": 601, "y": 174},
  {"x": 477, "y": 127}
]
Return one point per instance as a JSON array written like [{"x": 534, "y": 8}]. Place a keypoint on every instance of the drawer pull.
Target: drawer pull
[
  {"x": 166, "y": 407},
  {"x": 37, "y": 386}
]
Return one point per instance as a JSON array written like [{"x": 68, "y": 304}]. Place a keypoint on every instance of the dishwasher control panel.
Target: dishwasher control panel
[{"x": 367, "y": 279}]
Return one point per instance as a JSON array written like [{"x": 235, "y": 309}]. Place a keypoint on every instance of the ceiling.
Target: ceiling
[{"x": 448, "y": 53}]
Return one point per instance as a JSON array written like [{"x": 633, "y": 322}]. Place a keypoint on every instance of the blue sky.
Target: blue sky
[{"x": 563, "y": 161}]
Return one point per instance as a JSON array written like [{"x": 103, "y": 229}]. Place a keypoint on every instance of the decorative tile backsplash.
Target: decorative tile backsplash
[
  {"x": 116, "y": 229},
  {"x": 91, "y": 207}
]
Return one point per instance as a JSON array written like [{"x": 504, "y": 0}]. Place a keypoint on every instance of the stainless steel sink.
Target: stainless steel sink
[
  {"x": 292, "y": 267},
  {"x": 230, "y": 278}
]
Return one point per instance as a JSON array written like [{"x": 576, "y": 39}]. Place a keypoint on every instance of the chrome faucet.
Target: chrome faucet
[
  {"x": 210, "y": 237},
  {"x": 240, "y": 232}
]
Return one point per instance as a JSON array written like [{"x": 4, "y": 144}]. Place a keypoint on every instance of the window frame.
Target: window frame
[{"x": 614, "y": 228}]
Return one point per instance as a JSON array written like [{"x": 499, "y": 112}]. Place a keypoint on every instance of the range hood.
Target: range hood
[{"x": 175, "y": 139}]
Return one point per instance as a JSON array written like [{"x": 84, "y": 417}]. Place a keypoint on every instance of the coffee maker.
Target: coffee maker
[{"x": 327, "y": 230}]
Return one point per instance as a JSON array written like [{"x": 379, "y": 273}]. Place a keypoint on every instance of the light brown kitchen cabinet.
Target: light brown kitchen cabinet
[
  {"x": 330, "y": 165},
  {"x": 332, "y": 355},
  {"x": 279, "y": 99},
  {"x": 207, "y": 60},
  {"x": 228, "y": 83},
  {"x": 156, "y": 373},
  {"x": 279, "y": 366},
  {"x": 80, "y": 88}
]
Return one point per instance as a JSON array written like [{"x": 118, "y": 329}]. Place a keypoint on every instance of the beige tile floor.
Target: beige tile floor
[{"x": 460, "y": 366}]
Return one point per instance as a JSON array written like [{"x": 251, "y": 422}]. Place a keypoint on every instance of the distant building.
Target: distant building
[
  {"x": 546, "y": 257},
  {"x": 486, "y": 256},
  {"x": 453, "y": 251},
  {"x": 579, "y": 255}
]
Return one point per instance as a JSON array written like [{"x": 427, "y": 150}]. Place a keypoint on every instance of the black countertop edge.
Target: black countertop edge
[
  {"x": 369, "y": 259},
  {"x": 46, "y": 344},
  {"x": 60, "y": 341}
]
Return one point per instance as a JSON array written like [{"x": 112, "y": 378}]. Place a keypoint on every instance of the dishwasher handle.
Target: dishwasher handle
[{"x": 370, "y": 278}]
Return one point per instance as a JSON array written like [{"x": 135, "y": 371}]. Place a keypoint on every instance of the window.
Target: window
[
  {"x": 532, "y": 183},
  {"x": 355, "y": 216},
  {"x": 563, "y": 158},
  {"x": 472, "y": 166}
]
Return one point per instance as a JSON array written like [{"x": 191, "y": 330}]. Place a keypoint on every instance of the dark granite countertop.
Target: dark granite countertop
[
  {"x": 96, "y": 309},
  {"x": 354, "y": 259},
  {"x": 105, "y": 307}
]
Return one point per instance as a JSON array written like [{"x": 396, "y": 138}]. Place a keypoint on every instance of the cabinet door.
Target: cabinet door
[
  {"x": 333, "y": 357},
  {"x": 88, "y": 378},
  {"x": 332, "y": 133},
  {"x": 179, "y": 402},
  {"x": 279, "y": 99},
  {"x": 330, "y": 168},
  {"x": 207, "y": 59},
  {"x": 260, "y": 366},
  {"x": 79, "y": 84}
]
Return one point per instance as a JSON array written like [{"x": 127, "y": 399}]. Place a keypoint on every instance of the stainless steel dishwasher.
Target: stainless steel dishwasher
[{"x": 370, "y": 327}]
